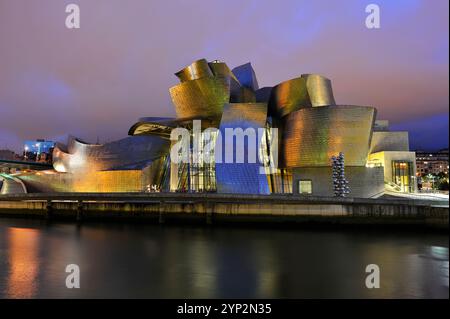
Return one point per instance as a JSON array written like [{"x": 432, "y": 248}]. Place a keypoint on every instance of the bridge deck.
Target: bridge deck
[
  {"x": 11, "y": 185},
  {"x": 23, "y": 164}
]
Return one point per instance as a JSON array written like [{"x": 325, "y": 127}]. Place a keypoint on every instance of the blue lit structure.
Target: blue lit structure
[{"x": 39, "y": 146}]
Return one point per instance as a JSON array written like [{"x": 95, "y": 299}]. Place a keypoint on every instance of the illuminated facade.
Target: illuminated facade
[
  {"x": 310, "y": 128},
  {"x": 390, "y": 150}
]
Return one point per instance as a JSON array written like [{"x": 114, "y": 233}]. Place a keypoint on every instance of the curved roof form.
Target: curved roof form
[
  {"x": 153, "y": 126},
  {"x": 84, "y": 157},
  {"x": 197, "y": 70},
  {"x": 289, "y": 96},
  {"x": 319, "y": 90},
  {"x": 201, "y": 97},
  {"x": 312, "y": 136},
  {"x": 206, "y": 87},
  {"x": 309, "y": 90}
]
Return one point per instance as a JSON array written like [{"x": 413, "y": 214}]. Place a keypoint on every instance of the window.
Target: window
[
  {"x": 402, "y": 172},
  {"x": 305, "y": 187}
]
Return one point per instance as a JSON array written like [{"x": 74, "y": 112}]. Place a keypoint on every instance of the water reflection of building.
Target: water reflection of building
[
  {"x": 23, "y": 261},
  {"x": 312, "y": 128}
]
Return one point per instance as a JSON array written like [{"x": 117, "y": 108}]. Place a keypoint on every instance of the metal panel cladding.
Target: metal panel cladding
[
  {"x": 197, "y": 70},
  {"x": 241, "y": 178},
  {"x": 201, "y": 97},
  {"x": 312, "y": 135},
  {"x": 131, "y": 152},
  {"x": 309, "y": 90},
  {"x": 319, "y": 90}
]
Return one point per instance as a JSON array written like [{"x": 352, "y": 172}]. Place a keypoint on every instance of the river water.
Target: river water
[{"x": 153, "y": 261}]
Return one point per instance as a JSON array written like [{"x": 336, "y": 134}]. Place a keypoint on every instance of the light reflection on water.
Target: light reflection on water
[
  {"x": 152, "y": 261},
  {"x": 23, "y": 262}
]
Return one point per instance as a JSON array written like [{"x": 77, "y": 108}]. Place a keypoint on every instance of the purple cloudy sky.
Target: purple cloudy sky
[{"x": 96, "y": 81}]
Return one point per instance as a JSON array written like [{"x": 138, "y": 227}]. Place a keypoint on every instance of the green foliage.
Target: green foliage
[{"x": 439, "y": 181}]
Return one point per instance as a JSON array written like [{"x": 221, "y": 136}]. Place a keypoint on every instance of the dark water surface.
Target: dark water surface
[{"x": 152, "y": 261}]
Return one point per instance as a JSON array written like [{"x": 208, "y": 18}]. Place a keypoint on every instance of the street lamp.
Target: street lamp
[{"x": 431, "y": 177}]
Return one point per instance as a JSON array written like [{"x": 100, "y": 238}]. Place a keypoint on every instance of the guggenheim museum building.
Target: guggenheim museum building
[{"x": 311, "y": 128}]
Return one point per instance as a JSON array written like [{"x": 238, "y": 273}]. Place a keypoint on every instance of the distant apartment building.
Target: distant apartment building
[
  {"x": 7, "y": 155},
  {"x": 432, "y": 162}
]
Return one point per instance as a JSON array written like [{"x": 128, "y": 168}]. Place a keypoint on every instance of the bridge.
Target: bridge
[
  {"x": 11, "y": 185},
  {"x": 24, "y": 165}
]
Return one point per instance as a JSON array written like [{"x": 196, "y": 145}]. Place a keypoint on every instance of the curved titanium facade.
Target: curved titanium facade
[
  {"x": 289, "y": 96},
  {"x": 312, "y": 135},
  {"x": 159, "y": 126},
  {"x": 309, "y": 90},
  {"x": 319, "y": 90},
  {"x": 206, "y": 87},
  {"x": 197, "y": 70},
  {"x": 129, "y": 153},
  {"x": 243, "y": 177},
  {"x": 238, "y": 93},
  {"x": 221, "y": 69},
  {"x": 201, "y": 97}
]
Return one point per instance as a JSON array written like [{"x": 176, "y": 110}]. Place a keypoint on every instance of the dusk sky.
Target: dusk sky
[{"x": 97, "y": 81}]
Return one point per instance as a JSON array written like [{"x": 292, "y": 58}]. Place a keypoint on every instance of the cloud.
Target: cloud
[{"x": 96, "y": 81}]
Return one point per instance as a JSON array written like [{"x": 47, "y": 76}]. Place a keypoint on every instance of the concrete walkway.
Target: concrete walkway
[
  {"x": 423, "y": 196},
  {"x": 11, "y": 185}
]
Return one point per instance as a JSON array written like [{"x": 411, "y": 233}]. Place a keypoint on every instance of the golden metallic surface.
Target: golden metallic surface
[
  {"x": 198, "y": 69},
  {"x": 313, "y": 135},
  {"x": 309, "y": 90},
  {"x": 248, "y": 114},
  {"x": 206, "y": 87},
  {"x": 96, "y": 181},
  {"x": 289, "y": 96},
  {"x": 201, "y": 98},
  {"x": 222, "y": 69},
  {"x": 238, "y": 94},
  {"x": 319, "y": 90}
]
